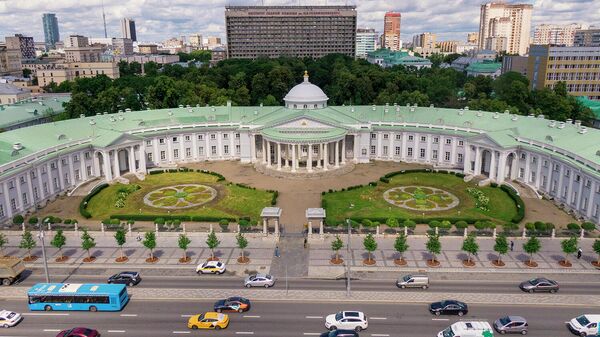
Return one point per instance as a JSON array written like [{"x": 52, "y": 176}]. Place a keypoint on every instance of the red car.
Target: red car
[{"x": 79, "y": 332}]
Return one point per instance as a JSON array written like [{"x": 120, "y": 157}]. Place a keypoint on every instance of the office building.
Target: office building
[
  {"x": 505, "y": 27},
  {"x": 122, "y": 46},
  {"x": 297, "y": 31},
  {"x": 196, "y": 40},
  {"x": 148, "y": 49},
  {"x": 214, "y": 41},
  {"x": 78, "y": 49},
  {"x": 128, "y": 29},
  {"x": 587, "y": 37},
  {"x": 10, "y": 61},
  {"x": 424, "y": 40},
  {"x": 51, "y": 34},
  {"x": 448, "y": 46},
  {"x": 391, "y": 31},
  {"x": 576, "y": 66},
  {"x": 559, "y": 35},
  {"x": 473, "y": 37},
  {"x": 23, "y": 43},
  {"x": 70, "y": 71},
  {"x": 366, "y": 41},
  {"x": 515, "y": 63},
  {"x": 77, "y": 41}
]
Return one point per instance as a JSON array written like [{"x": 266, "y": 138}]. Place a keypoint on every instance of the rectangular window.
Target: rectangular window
[
  {"x": 55, "y": 181},
  {"x": 364, "y": 152},
  {"x": 372, "y": 149},
  {"x": 568, "y": 173},
  {"x": 521, "y": 173},
  {"x": 13, "y": 204},
  {"x": 213, "y": 136},
  {"x": 434, "y": 154},
  {"x": 53, "y": 165},
  {"x": 373, "y": 136},
  {"x": 77, "y": 176},
  {"x": 75, "y": 158},
  {"x": 24, "y": 197},
  {"x": 545, "y": 163},
  {"x": 188, "y": 152},
  {"x": 447, "y": 156},
  {"x": 174, "y": 139},
  {"x": 595, "y": 210},
  {"x": 386, "y": 136},
  {"x": 89, "y": 170},
  {"x": 1, "y": 210},
  {"x": 421, "y": 153},
  {"x": 411, "y": 137},
  {"x": 11, "y": 184},
  {"x": 385, "y": 150},
  {"x": 187, "y": 138},
  {"x": 176, "y": 153},
  {"x": 237, "y": 136},
  {"x": 200, "y": 137},
  {"x": 148, "y": 142},
  {"x": 63, "y": 161},
  {"x": 238, "y": 150},
  {"x": 45, "y": 185},
  {"x": 436, "y": 140},
  {"x": 201, "y": 151},
  {"x": 161, "y": 141},
  {"x": 523, "y": 156},
  {"x": 448, "y": 141},
  {"x": 22, "y": 179},
  {"x": 87, "y": 155},
  {"x": 461, "y": 142},
  {"x": 163, "y": 155},
  {"x": 397, "y": 151},
  {"x": 225, "y": 136},
  {"x": 398, "y": 136},
  {"x": 213, "y": 150},
  {"x": 226, "y": 149},
  {"x": 578, "y": 178},
  {"x": 410, "y": 152},
  {"x": 423, "y": 139},
  {"x": 460, "y": 157}
]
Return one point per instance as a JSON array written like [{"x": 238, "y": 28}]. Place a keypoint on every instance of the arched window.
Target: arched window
[
  {"x": 295, "y": 106},
  {"x": 315, "y": 106},
  {"x": 305, "y": 106}
]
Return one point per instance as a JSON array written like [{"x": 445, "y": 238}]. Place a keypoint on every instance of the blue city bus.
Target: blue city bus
[{"x": 71, "y": 296}]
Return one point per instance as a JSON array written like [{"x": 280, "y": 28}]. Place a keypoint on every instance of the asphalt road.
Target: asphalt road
[
  {"x": 227, "y": 282},
  {"x": 276, "y": 319}
]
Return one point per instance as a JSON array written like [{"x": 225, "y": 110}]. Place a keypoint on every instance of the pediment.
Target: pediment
[
  {"x": 484, "y": 140},
  {"x": 125, "y": 139},
  {"x": 304, "y": 123}
]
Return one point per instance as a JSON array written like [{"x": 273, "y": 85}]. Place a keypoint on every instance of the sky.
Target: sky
[{"x": 158, "y": 20}]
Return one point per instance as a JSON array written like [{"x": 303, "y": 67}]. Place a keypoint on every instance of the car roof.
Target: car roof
[
  {"x": 131, "y": 273},
  {"x": 353, "y": 314},
  {"x": 516, "y": 319},
  {"x": 212, "y": 263},
  {"x": 592, "y": 317},
  {"x": 4, "y": 313}
]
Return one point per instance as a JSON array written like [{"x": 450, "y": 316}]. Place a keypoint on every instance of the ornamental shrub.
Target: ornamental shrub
[
  {"x": 573, "y": 227},
  {"x": 33, "y": 220},
  {"x": 18, "y": 219},
  {"x": 159, "y": 221},
  {"x": 461, "y": 224},
  {"x": 588, "y": 226}
]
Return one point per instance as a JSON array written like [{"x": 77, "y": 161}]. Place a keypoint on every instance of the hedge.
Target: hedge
[
  {"x": 18, "y": 219},
  {"x": 274, "y": 198},
  {"x": 588, "y": 226},
  {"x": 219, "y": 176},
  {"x": 183, "y": 217},
  {"x": 518, "y": 202},
  {"x": 83, "y": 204},
  {"x": 418, "y": 220}
]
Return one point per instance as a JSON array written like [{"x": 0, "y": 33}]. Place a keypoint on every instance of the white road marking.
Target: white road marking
[
  {"x": 440, "y": 319},
  {"x": 128, "y": 315},
  {"x": 52, "y": 330},
  {"x": 244, "y": 333},
  {"x": 181, "y": 332},
  {"x": 380, "y": 318},
  {"x": 116, "y": 331},
  {"x": 380, "y": 335},
  {"x": 311, "y": 334},
  {"x": 250, "y": 316},
  {"x": 314, "y": 317},
  {"x": 42, "y": 314},
  {"x": 187, "y": 315}
]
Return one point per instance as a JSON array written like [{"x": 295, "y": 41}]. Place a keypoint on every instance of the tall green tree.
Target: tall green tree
[
  {"x": 59, "y": 241},
  {"x": 470, "y": 246},
  {"x": 242, "y": 243},
  {"x": 532, "y": 246},
  {"x": 150, "y": 242},
  {"x": 596, "y": 248},
  {"x": 501, "y": 246},
  {"x": 184, "y": 242},
  {"x": 212, "y": 242},
  {"x": 370, "y": 245},
  {"x": 337, "y": 244},
  {"x": 121, "y": 239},
  {"x": 27, "y": 242},
  {"x": 433, "y": 245},
  {"x": 87, "y": 242},
  {"x": 569, "y": 246},
  {"x": 401, "y": 245}
]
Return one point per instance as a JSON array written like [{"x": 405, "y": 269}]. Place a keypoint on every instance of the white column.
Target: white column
[
  {"x": 440, "y": 158},
  {"x": 294, "y": 159},
  {"x": 590, "y": 204},
  {"x": 207, "y": 146},
  {"x": 252, "y": 148},
  {"x": 61, "y": 181},
  {"x": 156, "y": 156},
  {"x": 96, "y": 163},
  {"x": 182, "y": 156},
  {"x": 106, "y": 163},
  {"x": 337, "y": 154},
  {"x": 83, "y": 168},
  {"x": 403, "y": 149},
  {"x": 477, "y": 161},
  {"x": 502, "y": 167},
  {"x": 220, "y": 144},
  {"x": 561, "y": 175},
  {"x": 356, "y": 148},
  {"x": 9, "y": 211},
  {"x": 319, "y": 153},
  {"x": 18, "y": 198},
  {"x": 264, "y": 152},
  {"x": 379, "y": 145},
  {"x": 344, "y": 151},
  {"x": 51, "y": 187},
  {"x": 538, "y": 173},
  {"x": 467, "y": 159},
  {"x": 42, "y": 194},
  {"x": 194, "y": 147},
  {"x": 309, "y": 162},
  {"x": 269, "y": 154},
  {"x": 391, "y": 147},
  {"x": 493, "y": 165},
  {"x": 116, "y": 164},
  {"x": 131, "y": 159},
  {"x": 232, "y": 153},
  {"x": 325, "y": 157},
  {"x": 453, "y": 151},
  {"x": 142, "y": 154},
  {"x": 71, "y": 170},
  {"x": 570, "y": 189},
  {"x": 279, "y": 156},
  {"x": 527, "y": 167},
  {"x": 170, "y": 149},
  {"x": 428, "y": 148},
  {"x": 29, "y": 181}
]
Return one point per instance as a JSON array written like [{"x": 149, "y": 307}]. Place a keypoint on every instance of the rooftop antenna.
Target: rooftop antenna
[{"x": 104, "y": 20}]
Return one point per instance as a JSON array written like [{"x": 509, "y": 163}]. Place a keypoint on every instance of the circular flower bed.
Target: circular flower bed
[
  {"x": 420, "y": 198},
  {"x": 180, "y": 196}
]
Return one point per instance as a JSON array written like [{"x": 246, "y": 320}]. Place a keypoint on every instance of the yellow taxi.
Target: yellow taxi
[{"x": 209, "y": 320}]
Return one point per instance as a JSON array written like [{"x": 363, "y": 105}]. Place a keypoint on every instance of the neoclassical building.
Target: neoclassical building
[{"x": 560, "y": 160}]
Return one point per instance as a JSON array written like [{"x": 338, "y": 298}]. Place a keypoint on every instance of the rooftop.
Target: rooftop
[
  {"x": 484, "y": 67},
  {"x": 9, "y": 89},
  {"x": 30, "y": 109}
]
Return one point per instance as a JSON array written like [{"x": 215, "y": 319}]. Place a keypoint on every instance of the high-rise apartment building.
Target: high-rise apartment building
[
  {"x": 23, "y": 43},
  {"x": 505, "y": 27},
  {"x": 366, "y": 42},
  {"x": 298, "y": 31},
  {"x": 214, "y": 41},
  {"x": 128, "y": 29},
  {"x": 560, "y": 35},
  {"x": 51, "y": 34},
  {"x": 122, "y": 46},
  {"x": 78, "y": 49},
  {"x": 424, "y": 40},
  {"x": 587, "y": 37},
  {"x": 77, "y": 41},
  {"x": 391, "y": 31},
  {"x": 577, "y": 66}
]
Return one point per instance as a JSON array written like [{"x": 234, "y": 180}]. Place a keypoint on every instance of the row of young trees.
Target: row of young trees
[
  {"x": 87, "y": 243},
  {"x": 470, "y": 246}
]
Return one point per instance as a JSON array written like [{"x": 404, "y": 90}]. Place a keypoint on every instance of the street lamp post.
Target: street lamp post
[
  {"x": 41, "y": 236},
  {"x": 348, "y": 261}
]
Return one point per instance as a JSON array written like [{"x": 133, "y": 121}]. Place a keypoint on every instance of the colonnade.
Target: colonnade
[{"x": 303, "y": 156}]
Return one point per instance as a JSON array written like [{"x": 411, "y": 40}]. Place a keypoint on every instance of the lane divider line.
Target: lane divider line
[
  {"x": 244, "y": 333},
  {"x": 251, "y": 316},
  {"x": 128, "y": 315},
  {"x": 313, "y": 317},
  {"x": 52, "y": 330},
  {"x": 181, "y": 332},
  {"x": 440, "y": 319},
  {"x": 379, "y": 318},
  {"x": 188, "y": 316},
  {"x": 311, "y": 334},
  {"x": 380, "y": 335},
  {"x": 116, "y": 331}
]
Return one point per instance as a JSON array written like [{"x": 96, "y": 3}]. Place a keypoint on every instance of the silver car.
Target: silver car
[
  {"x": 511, "y": 324},
  {"x": 259, "y": 280}
]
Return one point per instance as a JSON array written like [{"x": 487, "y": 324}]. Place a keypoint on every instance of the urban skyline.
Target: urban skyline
[{"x": 447, "y": 20}]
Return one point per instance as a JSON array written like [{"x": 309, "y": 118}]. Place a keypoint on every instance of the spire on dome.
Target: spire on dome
[{"x": 306, "y": 76}]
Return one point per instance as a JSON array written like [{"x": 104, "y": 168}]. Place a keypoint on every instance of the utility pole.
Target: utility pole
[
  {"x": 348, "y": 261},
  {"x": 41, "y": 236}
]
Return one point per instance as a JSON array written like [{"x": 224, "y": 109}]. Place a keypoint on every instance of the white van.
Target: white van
[
  {"x": 585, "y": 325},
  {"x": 413, "y": 281},
  {"x": 468, "y": 329}
]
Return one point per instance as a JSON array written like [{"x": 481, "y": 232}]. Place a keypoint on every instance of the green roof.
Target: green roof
[
  {"x": 593, "y": 105},
  {"x": 567, "y": 141},
  {"x": 31, "y": 109},
  {"x": 397, "y": 57},
  {"x": 484, "y": 67}
]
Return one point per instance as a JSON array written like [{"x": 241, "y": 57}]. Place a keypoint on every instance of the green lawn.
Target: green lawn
[
  {"x": 369, "y": 203},
  {"x": 231, "y": 201}
]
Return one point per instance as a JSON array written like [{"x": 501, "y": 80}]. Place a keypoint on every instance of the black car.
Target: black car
[
  {"x": 340, "y": 333},
  {"x": 236, "y": 303},
  {"x": 448, "y": 307},
  {"x": 129, "y": 278}
]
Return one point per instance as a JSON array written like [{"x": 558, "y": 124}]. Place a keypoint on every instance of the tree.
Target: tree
[
  {"x": 470, "y": 246},
  {"x": 596, "y": 247},
  {"x": 87, "y": 242},
  {"x": 501, "y": 246},
  {"x": 212, "y": 242},
  {"x": 121, "y": 238},
  {"x": 27, "y": 242},
  {"x": 569, "y": 246},
  {"x": 532, "y": 246},
  {"x": 184, "y": 242},
  {"x": 150, "y": 243},
  {"x": 400, "y": 245},
  {"x": 3, "y": 242},
  {"x": 242, "y": 243},
  {"x": 337, "y": 244},
  {"x": 59, "y": 241},
  {"x": 392, "y": 222},
  {"x": 433, "y": 245},
  {"x": 370, "y": 245}
]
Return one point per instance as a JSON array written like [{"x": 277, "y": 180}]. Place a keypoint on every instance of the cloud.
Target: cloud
[{"x": 157, "y": 20}]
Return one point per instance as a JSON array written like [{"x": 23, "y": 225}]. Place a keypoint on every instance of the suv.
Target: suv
[
  {"x": 348, "y": 320},
  {"x": 511, "y": 324},
  {"x": 129, "y": 278}
]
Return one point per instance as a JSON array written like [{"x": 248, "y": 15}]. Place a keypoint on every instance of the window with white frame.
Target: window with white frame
[
  {"x": 89, "y": 170},
  {"x": 521, "y": 172},
  {"x": 76, "y": 158},
  {"x": 63, "y": 161},
  {"x": 398, "y": 136},
  {"x": 13, "y": 204},
  {"x": 397, "y": 151},
  {"x": 149, "y": 156},
  {"x": 523, "y": 156},
  {"x": 187, "y": 138},
  {"x": 36, "y": 194},
  {"x": 363, "y": 152},
  {"x": 226, "y": 149},
  {"x": 161, "y": 141},
  {"x": 225, "y": 136},
  {"x": 201, "y": 151},
  {"x": 213, "y": 136},
  {"x": 237, "y": 135},
  {"x": 423, "y": 139},
  {"x": 24, "y": 198},
  {"x": 163, "y": 155},
  {"x": 373, "y": 136},
  {"x": 372, "y": 149},
  {"x": 213, "y": 150},
  {"x": 448, "y": 141},
  {"x": 87, "y": 155},
  {"x": 1, "y": 210},
  {"x": 11, "y": 184},
  {"x": 447, "y": 156},
  {"x": 385, "y": 150},
  {"x": 22, "y": 180},
  {"x": 436, "y": 140},
  {"x": 176, "y": 153},
  {"x": 188, "y": 152},
  {"x": 55, "y": 181},
  {"x": 148, "y": 143},
  {"x": 461, "y": 143},
  {"x": 434, "y": 154},
  {"x": 411, "y": 137},
  {"x": 77, "y": 175},
  {"x": 175, "y": 140},
  {"x": 32, "y": 173},
  {"x": 567, "y": 173},
  {"x": 410, "y": 151},
  {"x": 45, "y": 186},
  {"x": 545, "y": 163},
  {"x": 238, "y": 149},
  {"x": 200, "y": 137},
  {"x": 595, "y": 210},
  {"x": 460, "y": 157},
  {"x": 386, "y": 136}
]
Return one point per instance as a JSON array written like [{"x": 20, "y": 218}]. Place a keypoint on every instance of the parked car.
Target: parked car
[
  {"x": 211, "y": 267},
  {"x": 511, "y": 324},
  {"x": 539, "y": 284},
  {"x": 209, "y": 320},
  {"x": 79, "y": 332},
  {"x": 130, "y": 278},
  {"x": 584, "y": 325},
  {"x": 448, "y": 307},
  {"x": 340, "y": 333},
  {"x": 236, "y": 303},
  {"x": 413, "y": 281},
  {"x": 259, "y": 280},
  {"x": 9, "y": 318},
  {"x": 347, "y": 320}
]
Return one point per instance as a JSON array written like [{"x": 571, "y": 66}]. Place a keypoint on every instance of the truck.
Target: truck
[
  {"x": 11, "y": 269},
  {"x": 468, "y": 329}
]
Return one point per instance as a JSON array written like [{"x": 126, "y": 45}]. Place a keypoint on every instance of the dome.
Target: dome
[{"x": 306, "y": 96}]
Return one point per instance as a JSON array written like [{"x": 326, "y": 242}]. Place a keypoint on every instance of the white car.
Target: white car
[
  {"x": 211, "y": 267},
  {"x": 585, "y": 325},
  {"x": 9, "y": 318},
  {"x": 347, "y": 320}
]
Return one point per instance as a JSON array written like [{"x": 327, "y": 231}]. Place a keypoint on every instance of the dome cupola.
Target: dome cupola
[{"x": 305, "y": 96}]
